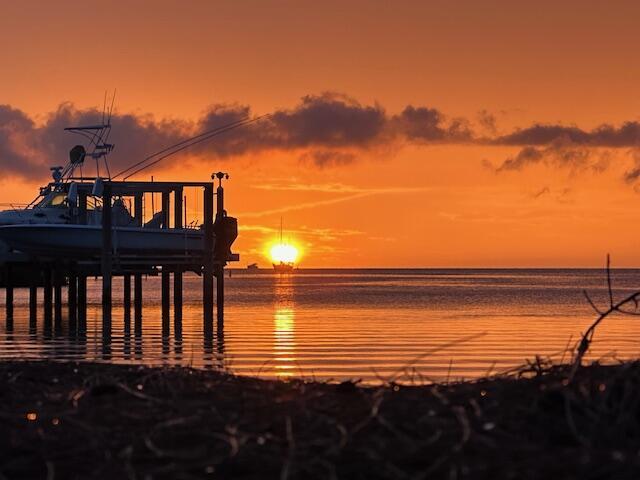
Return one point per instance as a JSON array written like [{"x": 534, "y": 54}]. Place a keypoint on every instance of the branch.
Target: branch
[{"x": 587, "y": 337}]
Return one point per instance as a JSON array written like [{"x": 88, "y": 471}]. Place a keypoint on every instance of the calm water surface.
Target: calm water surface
[{"x": 351, "y": 324}]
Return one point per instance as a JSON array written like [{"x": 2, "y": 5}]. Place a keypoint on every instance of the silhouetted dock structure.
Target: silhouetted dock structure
[{"x": 53, "y": 272}]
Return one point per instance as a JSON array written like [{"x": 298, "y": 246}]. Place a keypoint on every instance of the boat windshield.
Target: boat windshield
[{"x": 54, "y": 199}]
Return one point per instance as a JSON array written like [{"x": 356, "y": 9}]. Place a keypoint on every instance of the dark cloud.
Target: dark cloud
[
  {"x": 526, "y": 156},
  {"x": 626, "y": 135},
  {"x": 633, "y": 175},
  {"x": 561, "y": 195},
  {"x": 561, "y": 153},
  {"x": 326, "y": 121},
  {"x": 28, "y": 150},
  {"x": 17, "y": 155},
  {"x": 541, "y": 192},
  {"x": 329, "y": 120},
  {"x": 327, "y": 128},
  {"x": 488, "y": 122},
  {"x": 328, "y": 158},
  {"x": 428, "y": 125}
]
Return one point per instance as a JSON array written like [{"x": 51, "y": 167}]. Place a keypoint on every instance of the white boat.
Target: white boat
[
  {"x": 61, "y": 240},
  {"x": 54, "y": 203},
  {"x": 52, "y": 225}
]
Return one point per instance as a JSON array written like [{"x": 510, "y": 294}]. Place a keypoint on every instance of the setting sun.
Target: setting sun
[{"x": 284, "y": 253}]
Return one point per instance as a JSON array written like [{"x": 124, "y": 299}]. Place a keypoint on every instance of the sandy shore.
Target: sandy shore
[{"x": 87, "y": 420}]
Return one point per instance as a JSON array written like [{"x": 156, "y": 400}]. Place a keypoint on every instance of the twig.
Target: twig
[
  {"x": 609, "y": 281},
  {"x": 392, "y": 378},
  {"x": 587, "y": 337}
]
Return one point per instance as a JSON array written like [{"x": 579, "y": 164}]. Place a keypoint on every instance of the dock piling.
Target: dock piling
[
  {"x": 166, "y": 282},
  {"x": 177, "y": 273},
  {"x": 47, "y": 293},
  {"x": 107, "y": 246},
  {"x": 57, "y": 297},
  {"x": 33, "y": 303},
  {"x": 126, "y": 285},
  {"x": 207, "y": 280},
  {"x": 220, "y": 295},
  {"x": 82, "y": 302},
  {"x": 137, "y": 301},
  {"x": 220, "y": 213},
  {"x": 138, "y": 211},
  {"x": 166, "y": 279},
  {"x": 9, "y": 296},
  {"x": 72, "y": 301}
]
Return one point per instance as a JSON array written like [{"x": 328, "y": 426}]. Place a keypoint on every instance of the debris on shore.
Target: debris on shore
[{"x": 91, "y": 420}]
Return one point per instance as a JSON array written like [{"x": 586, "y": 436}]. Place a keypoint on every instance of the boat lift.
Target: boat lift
[{"x": 53, "y": 271}]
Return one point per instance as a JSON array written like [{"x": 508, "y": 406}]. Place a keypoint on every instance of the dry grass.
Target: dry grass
[{"x": 108, "y": 421}]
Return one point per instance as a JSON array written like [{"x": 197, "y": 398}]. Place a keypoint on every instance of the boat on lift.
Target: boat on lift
[
  {"x": 54, "y": 204},
  {"x": 54, "y": 225}
]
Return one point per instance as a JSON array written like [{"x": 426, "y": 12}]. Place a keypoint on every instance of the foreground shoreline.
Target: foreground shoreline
[{"x": 92, "y": 420}]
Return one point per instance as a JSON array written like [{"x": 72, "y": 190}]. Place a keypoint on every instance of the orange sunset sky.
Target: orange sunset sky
[{"x": 405, "y": 133}]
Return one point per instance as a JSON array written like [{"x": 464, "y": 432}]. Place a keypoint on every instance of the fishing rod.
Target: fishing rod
[
  {"x": 184, "y": 144},
  {"x": 171, "y": 147}
]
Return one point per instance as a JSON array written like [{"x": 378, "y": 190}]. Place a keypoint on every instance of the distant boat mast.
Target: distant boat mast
[{"x": 282, "y": 267}]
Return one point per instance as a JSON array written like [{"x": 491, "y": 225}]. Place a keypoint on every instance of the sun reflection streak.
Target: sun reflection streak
[{"x": 284, "y": 345}]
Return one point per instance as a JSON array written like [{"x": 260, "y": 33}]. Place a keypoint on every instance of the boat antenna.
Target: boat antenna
[
  {"x": 97, "y": 135},
  {"x": 104, "y": 105},
  {"x": 171, "y": 147},
  {"x": 184, "y": 144},
  {"x": 108, "y": 131}
]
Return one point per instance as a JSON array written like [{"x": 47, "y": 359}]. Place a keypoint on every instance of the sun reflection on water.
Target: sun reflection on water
[{"x": 284, "y": 344}]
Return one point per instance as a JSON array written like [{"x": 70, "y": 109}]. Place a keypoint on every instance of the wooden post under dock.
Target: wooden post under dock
[
  {"x": 137, "y": 277},
  {"x": 207, "y": 280},
  {"x": 177, "y": 273},
  {"x": 126, "y": 286},
  {"x": 72, "y": 300},
  {"x": 220, "y": 213},
  {"x": 9, "y": 297},
  {"x": 82, "y": 302},
  {"x": 137, "y": 302},
  {"x": 166, "y": 275},
  {"x": 106, "y": 266},
  {"x": 33, "y": 301},
  {"x": 47, "y": 293},
  {"x": 57, "y": 297}
]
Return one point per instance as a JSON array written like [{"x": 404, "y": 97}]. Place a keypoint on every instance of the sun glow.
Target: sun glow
[{"x": 283, "y": 253}]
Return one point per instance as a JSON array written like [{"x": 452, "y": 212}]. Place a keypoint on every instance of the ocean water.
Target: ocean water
[{"x": 408, "y": 325}]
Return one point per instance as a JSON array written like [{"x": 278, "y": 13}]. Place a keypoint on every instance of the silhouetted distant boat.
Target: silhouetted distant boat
[
  {"x": 252, "y": 266},
  {"x": 283, "y": 267}
]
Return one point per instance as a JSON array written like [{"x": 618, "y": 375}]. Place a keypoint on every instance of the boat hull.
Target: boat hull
[
  {"x": 86, "y": 240},
  {"x": 283, "y": 267}
]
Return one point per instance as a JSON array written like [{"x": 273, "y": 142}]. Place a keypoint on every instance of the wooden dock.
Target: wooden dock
[{"x": 54, "y": 273}]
